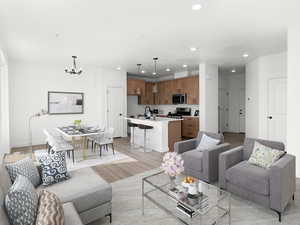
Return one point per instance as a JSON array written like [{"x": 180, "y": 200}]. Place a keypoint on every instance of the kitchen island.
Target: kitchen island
[{"x": 165, "y": 132}]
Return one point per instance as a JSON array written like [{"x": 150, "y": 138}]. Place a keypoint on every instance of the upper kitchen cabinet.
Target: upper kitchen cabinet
[
  {"x": 164, "y": 93},
  {"x": 165, "y": 90},
  {"x": 188, "y": 86},
  {"x": 149, "y": 97},
  {"x": 192, "y": 90},
  {"x": 136, "y": 87}
]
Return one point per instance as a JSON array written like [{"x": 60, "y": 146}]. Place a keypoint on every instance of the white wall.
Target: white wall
[
  {"x": 258, "y": 73},
  {"x": 208, "y": 88},
  {"x": 293, "y": 106},
  {"x": 133, "y": 108},
  {"x": 30, "y": 83},
  {"x": 4, "y": 105}
]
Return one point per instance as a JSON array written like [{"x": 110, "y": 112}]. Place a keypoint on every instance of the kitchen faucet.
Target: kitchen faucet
[{"x": 148, "y": 112}]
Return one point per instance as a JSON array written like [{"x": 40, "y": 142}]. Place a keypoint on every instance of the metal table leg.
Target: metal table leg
[{"x": 143, "y": 196}]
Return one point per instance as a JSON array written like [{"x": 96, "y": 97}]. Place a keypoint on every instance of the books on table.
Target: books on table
[{"x": 189, "y": 205}]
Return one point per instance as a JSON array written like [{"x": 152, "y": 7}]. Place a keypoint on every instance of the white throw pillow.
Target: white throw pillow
[
  {"x": 207, "y": 142},
  {"x": 264, "y": 156}
]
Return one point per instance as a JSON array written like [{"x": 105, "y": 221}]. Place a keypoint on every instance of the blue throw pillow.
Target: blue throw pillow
[
  {"x": 21, "y": 202},
  {"x": 54, "y": 168},
  {"x": 26, "y": 168}
]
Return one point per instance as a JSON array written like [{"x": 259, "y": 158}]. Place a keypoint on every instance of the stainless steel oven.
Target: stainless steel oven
[{"x": 179, "y": 99}]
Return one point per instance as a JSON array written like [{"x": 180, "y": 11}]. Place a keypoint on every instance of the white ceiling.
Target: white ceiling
[{"x": 112, "y": 33}]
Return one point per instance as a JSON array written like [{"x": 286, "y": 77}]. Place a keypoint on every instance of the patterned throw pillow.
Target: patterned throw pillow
[
  {"x": 26, "y": 168},
  {"x": 50, "y": 210},
  {"x": 21, "y": 202},
  {"x": 54, "y": 168},
  {"x": 264, "y": 156}
]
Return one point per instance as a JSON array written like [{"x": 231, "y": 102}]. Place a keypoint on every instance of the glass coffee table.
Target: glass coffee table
[{"x": 210, "y": 206}]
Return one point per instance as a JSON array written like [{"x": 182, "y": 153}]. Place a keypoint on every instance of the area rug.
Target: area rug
[
  {"x": 127, "y": 202},
  {"x": 93, "y": 159}
]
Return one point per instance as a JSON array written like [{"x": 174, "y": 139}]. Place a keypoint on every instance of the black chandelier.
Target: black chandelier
[{"x": 74, "y": 70}]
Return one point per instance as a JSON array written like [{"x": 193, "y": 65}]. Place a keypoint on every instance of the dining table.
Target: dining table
[{"x": 79, "y": 134}]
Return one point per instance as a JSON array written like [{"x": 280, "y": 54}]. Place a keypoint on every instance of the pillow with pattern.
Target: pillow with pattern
[
  {"x": 26, "y": 168},
  {"x": 21, "y": 202},
  {"x": 50, "y": 210},
  {"x": 264, "y": 156},
  {"x": 54, "y": 167}
]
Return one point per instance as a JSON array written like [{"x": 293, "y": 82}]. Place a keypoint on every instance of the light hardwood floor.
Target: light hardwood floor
[{"x": 145, "y": 161}]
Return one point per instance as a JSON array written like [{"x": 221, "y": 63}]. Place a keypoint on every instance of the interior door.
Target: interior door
[
  {"x": 277, "y": 98},
  {"x": 115, "y": 110},
  {"x": 223, "y": 110},
  {"x": 242, "y": 111}
]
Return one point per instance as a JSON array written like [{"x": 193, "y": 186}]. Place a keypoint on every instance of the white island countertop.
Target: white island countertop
[{"x": 157, "y": 119}]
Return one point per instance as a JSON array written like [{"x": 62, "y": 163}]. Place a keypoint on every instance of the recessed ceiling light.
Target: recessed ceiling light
[
  {"x": 233, "y": 71},
  {"x": 193, "y": 49},
  {"x": 154, "y": 73},
  {"x": 118, "y": 68},
  {"x": 184, "y": 66},
  {"x": 196, "y": 6},
  {"x": 168, "y": 69},
  {"x": 143, "y": 71},
  {"x": 245, "y": 55}
]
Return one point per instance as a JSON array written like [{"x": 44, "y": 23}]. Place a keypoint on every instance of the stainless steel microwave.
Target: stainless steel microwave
[{"x": 179, "y": 99}]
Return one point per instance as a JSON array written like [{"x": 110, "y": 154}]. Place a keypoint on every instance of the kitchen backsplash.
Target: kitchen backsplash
[{"x": 134, "y": 109}]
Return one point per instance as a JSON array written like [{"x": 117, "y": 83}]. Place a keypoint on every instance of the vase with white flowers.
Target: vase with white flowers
[{"x": 172, "y": 165}]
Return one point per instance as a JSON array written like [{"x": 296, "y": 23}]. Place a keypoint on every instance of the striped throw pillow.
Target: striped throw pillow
[{"x": 50, "y": 210}]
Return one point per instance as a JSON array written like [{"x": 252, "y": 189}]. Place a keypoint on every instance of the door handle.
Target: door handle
[
  {"x": 120, "y": 114},
  {"x": 270, "y": 117}
]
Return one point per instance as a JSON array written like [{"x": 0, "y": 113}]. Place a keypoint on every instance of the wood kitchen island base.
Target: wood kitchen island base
[
  {"x": 161, "y": 138},
  {"x": 174, "y": 134}
]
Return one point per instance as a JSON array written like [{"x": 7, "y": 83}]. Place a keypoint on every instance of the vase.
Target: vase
[{"x": 172, "y": 182}]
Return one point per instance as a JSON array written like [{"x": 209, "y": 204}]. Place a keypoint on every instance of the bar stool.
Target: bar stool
[
  {"x": 145, "y": 128},
  {"x": 133, "y": 126}
]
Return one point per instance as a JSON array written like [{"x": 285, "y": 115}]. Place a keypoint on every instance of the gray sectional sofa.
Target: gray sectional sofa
[
  {"x": 272, "y": 188},
  {"x": 201, "y": 164},
  {"x": 86, "y": 197}
]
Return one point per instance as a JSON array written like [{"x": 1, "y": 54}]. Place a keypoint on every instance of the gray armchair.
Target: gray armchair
[
  {"x": 272, "y": 188},
  {"x": 201, "y": 164}
]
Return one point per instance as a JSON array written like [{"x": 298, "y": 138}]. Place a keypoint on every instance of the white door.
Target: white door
[
  {"x": 223, "y": 110},
  {"x": 277, "y": 98},
  {"x": 115, "y": 110},
  {"x": 242, "y": 111}
]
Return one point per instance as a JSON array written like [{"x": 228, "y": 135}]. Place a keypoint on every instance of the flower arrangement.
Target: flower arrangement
[
  {"x": 77, "y": 123},
  {"x": 172, "y": 164}
]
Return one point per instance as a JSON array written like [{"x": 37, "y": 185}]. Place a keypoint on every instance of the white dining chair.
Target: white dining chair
[
  {"x": 97, "y": 136},
  {"x": 105, "y": 140}
]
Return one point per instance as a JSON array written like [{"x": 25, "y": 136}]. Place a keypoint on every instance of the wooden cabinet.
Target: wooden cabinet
[
  {"x": 164, "y": 95},
  {"x": 149, "y": 97},
  {"x": 166, "y": 89},
  {"x": 192, "y": 90},
  {"x": 190, "y": 127},
  {"x": 136, "y": 87},
  {"x": 174, "y": 134}
]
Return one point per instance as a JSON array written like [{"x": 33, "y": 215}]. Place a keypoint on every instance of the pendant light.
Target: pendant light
[
  {"x": 155, "y": 59},
  {"x": 139, "y": 65},
  {"x": 155, "y": 89}
]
